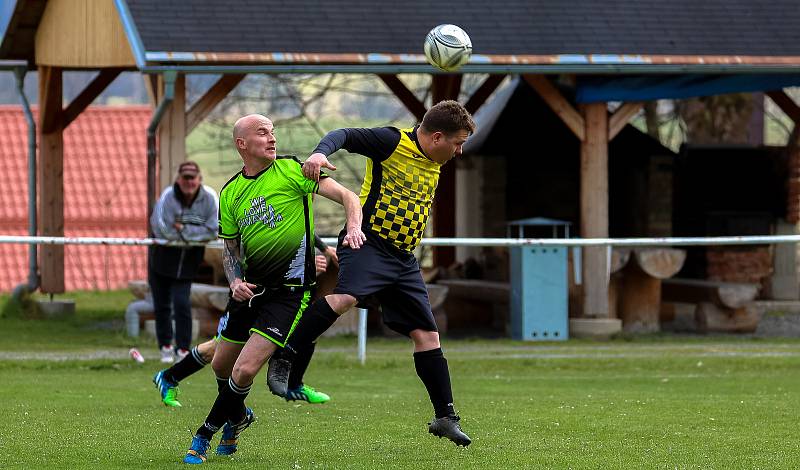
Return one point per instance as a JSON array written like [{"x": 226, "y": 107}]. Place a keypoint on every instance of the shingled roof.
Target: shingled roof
[
  {"x": 104, "y": 198},
  {"x": 500, "y": 27},
  {"x": 702, "y": 34}
]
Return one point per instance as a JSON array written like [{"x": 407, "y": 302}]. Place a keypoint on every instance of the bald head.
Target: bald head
[
  {"x": 247, "y": 123},
  {"x": 254, "y": 140}
]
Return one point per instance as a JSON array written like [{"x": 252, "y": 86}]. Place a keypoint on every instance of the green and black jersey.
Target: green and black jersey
[
  {"x": 271, "y": 213},
  {"x": 399, "y": 183}
]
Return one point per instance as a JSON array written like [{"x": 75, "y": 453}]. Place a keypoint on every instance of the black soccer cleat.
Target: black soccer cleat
[
  {"x": 448, "y": 427},
  {"x": 278, "y": 376}
]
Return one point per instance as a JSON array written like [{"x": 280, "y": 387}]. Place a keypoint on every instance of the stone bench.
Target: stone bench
[{"x": 722, "y": 307}]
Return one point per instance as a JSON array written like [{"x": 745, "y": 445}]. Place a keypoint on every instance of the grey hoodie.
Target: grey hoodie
[{"x": 200, "y": 222}]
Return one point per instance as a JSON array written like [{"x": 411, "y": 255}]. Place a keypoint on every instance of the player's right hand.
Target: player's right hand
[
  {"x": 314, "y": 163},
  {"x": 241, "y": 291}
]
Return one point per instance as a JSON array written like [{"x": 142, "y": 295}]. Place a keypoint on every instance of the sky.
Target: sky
[{"x": 6, "y": 8}]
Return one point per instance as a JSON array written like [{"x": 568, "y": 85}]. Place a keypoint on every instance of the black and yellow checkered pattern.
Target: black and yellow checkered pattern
[{"x": 407, "y": 185}]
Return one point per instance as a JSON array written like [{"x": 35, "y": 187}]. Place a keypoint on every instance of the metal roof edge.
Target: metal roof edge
[
  {"x": 504, "y": 69},
  {"x": 294, "y": 62},
  {"x": 13, "y": 64},
  {"x": 134, "y": 39}
]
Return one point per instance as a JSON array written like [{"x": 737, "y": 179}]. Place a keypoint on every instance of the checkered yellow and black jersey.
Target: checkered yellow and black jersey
[{"x": 399, "y": 182}]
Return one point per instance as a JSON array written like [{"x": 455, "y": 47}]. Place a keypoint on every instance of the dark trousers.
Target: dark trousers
[{"x": 171, "y": 300}]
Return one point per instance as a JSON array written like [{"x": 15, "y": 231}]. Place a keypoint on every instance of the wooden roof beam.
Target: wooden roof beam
[
  {"x": 621, "y": 116},
  {"x": 483, "y": 92},
  {"x": 787, "y": 104},
  {"x": 406, "y": 96},
  {"x": 89, "y": 94},
  {"x": 550, "y": 94},
  {"x": 203, "y": 106}
]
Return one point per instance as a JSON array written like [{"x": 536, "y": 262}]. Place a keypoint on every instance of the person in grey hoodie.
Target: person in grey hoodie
[{"x": 188, "y": 211}]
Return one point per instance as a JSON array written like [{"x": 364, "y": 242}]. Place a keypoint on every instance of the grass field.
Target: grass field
[{"x": 656, "y": 403}]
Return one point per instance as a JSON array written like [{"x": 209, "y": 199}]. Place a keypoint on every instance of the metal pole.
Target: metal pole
[
  {"x": 33, "y": 267},
  {"x": 362, "y": 335},
  {"x": 169, "y": 94}
]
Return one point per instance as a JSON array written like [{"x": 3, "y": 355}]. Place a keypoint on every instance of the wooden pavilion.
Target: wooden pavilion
[{"x": 627, "y": 51}]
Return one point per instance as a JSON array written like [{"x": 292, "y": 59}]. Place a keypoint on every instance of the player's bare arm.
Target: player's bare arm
[
  {"x": 232, "y": 263},
  {"x": 352, "y": 208}
]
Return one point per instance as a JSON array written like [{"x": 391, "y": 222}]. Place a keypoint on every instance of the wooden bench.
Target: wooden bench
[
  {"x": 640, "y": 300},
  {"x": 476, "y": 303}
]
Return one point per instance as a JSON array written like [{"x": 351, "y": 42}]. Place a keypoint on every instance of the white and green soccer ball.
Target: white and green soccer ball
[{"x": 448, "y": 47}]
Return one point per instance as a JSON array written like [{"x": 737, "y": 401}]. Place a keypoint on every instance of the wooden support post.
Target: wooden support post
[
  {"x": 784, "y": 283},
  {"x": 788, "y": 106},
  {"x": 594, "y": 209},
  {"x": 51, "y": 178},
  {"x": 172, "y": 134},
  {"x": 203, "y": 106},
  {"x": 444, "y": 87},
  {"x": 151, "y": 86},
  {"x": 406, "y": 96}
]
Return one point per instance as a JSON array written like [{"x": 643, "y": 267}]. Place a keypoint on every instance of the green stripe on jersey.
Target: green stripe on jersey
[{"x": 271, "y": 212}]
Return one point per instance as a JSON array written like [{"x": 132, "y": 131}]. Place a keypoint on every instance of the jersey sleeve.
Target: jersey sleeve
[
  {"x": 376, "y": 143},
  {"x": 228, "y": 228},
  {"x": 303, "y": 184}
]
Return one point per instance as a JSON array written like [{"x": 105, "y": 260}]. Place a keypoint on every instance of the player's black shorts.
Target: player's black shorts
[
  {"x": 392, "y": 276},
  {"x": 272, "y": 313}
]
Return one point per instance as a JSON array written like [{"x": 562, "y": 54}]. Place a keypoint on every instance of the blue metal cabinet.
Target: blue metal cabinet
[{"x": 539, "y": 293}]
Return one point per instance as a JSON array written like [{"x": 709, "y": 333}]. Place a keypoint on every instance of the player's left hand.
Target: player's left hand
[
  {"x": 355, "y": 238},
  {"x": 330, "y": 253},
  {"x": 321, "y": 263},
  {"x": 313, "y": 165}
]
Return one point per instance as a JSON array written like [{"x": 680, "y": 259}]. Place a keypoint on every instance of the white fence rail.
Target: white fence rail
[{"x": 624, "y": 242}]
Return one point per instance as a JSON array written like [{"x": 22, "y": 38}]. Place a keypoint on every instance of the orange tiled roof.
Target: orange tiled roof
[{"x": 104, "y": 195}]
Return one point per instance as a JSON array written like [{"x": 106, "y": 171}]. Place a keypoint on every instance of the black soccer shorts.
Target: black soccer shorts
[
  {"x": 382, "y": 271},
  {"x": 272, "y": 313}
]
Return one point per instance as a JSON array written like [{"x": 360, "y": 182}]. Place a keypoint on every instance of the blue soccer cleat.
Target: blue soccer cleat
[
  {"x": 168, "y": 389},
  {"x": 229, "y": 441},
  {"x": 197, "y": 451}
]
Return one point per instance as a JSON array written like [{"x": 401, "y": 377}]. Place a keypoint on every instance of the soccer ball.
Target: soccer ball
[{"x": 447, "y": 47}]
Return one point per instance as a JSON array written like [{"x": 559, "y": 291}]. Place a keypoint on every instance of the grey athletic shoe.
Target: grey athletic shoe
[
  {"x": 448, "y": 427},
  {"x": 278, "y": 376}
]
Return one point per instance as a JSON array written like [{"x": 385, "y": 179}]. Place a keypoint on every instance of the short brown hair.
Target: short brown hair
[{"x": 448, "y": 117}]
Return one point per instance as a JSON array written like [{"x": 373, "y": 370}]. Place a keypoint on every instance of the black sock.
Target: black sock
[
  {"x": 432, "y": 370},
  {"x": 229, "y": 405},
  {"x": 315, "y": 321},
  {"x": 186, "y": 366},
  {"x": 222, "y": 382},
  {"x": 219, "y": 410},
  {"x": 299, "y": 365}
]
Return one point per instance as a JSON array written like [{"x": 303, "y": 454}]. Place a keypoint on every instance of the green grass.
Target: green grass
[{"x": 645, "y": 403}]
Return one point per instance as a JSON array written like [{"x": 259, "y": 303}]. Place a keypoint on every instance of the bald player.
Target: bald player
[{"x": 266, "y": 224}]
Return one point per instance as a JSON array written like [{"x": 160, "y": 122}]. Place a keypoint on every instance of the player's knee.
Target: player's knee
[
  {"x": 207, "y": 350},
  {"x": 244, "y": 373},
  {"x": 341, "y": 303},
  {"x": 425, "y": 340},
  {"x": 218, "y": 368}
]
